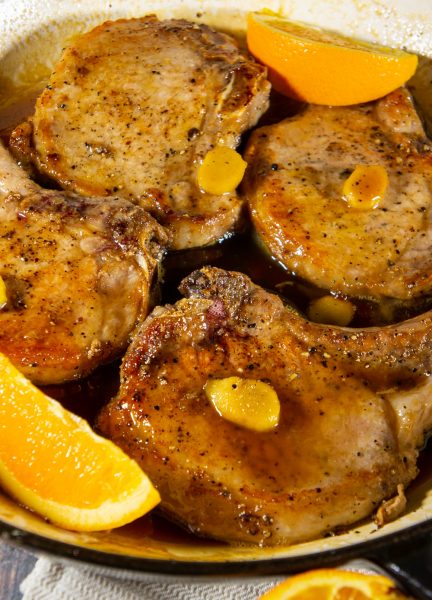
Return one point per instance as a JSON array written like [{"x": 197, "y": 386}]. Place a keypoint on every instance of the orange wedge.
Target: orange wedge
[
  {"x": 53, "y": 463},
  {"x": 322, "y": 67},
  {"x": 334, "y": 584}
]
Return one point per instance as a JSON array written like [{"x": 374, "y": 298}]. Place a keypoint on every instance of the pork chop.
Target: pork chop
[
  {"x": 354, "y": 408},
  {"x": 78, "y": 275},
  {"x": 294, "y": 183},
  {"x": 132, "y": 108}
]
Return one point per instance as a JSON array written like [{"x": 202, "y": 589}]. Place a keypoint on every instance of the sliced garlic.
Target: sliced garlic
[
  {"x": 3, "y": 295},
  {"x": 331, "y": 310},
  {"x": 249, "y": 403},
  {"x": 221, "y": 171},
  {"x": 365, "y": 187}
]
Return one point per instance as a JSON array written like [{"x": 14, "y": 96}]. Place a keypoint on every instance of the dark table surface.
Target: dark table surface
[{"x": 15, "y": 564}]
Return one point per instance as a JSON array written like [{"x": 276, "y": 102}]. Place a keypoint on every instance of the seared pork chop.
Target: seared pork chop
[
  {"x": 354, "y": 408},
  {"x": 133, "y": 107},
  {"x": 294, "y": 183},
  {"x": 78, "y": 273}
]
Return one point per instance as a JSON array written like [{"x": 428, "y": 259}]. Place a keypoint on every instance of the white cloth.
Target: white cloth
[{"x": 56, "y": 581}]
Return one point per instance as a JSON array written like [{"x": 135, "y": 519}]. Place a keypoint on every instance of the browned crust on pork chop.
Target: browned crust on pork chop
[
  {"x": 132, "y": 108},
  {"x": 344, "y": 441},
  {"x": 79, "y": 273},
  {"x": 294, "y": 188}
]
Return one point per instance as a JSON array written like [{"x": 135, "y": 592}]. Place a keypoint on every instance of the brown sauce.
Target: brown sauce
[{"x": 242, "y": 253}]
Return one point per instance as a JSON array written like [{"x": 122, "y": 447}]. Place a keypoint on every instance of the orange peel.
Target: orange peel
[
  {"x": 335, "y": 584},
  {"x": 53, "y": 463},
  {"x": 322, "y": 67}
]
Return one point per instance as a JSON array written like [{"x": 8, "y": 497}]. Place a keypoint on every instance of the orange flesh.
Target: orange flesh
[
  {"x": 52, "y": 441},
  {"x": 323, "y": 67}
]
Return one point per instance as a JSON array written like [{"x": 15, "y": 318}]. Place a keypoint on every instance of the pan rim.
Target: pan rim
[{"x": 117, "y": 563}]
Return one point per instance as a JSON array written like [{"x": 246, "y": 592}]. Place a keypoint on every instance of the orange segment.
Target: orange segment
[
  {"x": 322, "y": 67},
  {"x": 334, "y": 584},
  {"x": 53, "y": 463}
]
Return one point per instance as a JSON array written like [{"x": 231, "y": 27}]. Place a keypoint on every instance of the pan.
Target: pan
[{"x": 32, "y": 34}]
